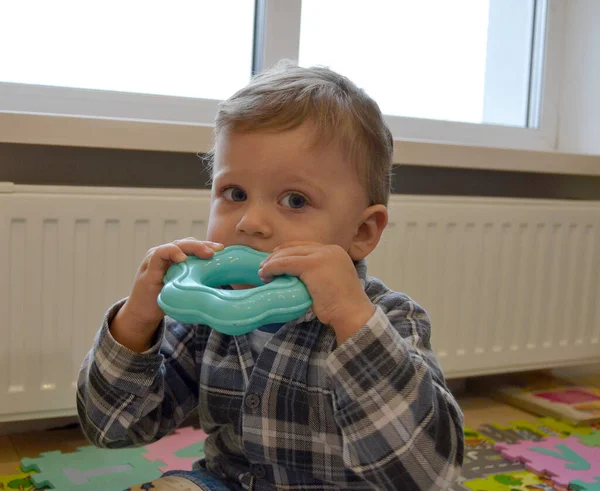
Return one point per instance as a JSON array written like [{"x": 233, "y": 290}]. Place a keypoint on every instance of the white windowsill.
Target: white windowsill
[{"x": 40, "y": 129}]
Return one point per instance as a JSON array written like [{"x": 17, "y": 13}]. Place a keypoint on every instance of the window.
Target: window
[
  {"x": 470, "y": 72},
  {"x": 464, "y": 60},
  {"x": 137, "y": 46}
]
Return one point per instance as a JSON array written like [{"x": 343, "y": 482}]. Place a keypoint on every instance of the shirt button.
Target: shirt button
[
  {"x": 259, "y": 471},
  {"x": 246, "y": 480},
  {"x": 252, "y": 401}
]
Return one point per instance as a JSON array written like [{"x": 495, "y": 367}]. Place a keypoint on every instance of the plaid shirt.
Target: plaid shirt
[{"x": 373, "y": 412}]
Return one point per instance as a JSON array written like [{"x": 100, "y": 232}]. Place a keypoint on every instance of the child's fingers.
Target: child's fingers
[
  {"x": 165, "y": 255},
  {"x": 293, "y": 265},
  {"x": 178, "y": 251},
  {"x": 286, "y": 261},
  {"x": 201, "y": 249},
  {"x": 299, "y": 250}
]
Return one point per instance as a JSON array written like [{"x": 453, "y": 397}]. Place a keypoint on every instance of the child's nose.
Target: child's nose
[{"x": 255, "y": 222}]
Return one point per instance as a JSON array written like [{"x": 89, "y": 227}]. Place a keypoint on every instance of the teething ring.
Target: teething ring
[{"x": 190, "y": 293}]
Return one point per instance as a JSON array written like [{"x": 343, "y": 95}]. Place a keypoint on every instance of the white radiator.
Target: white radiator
[{"x": 509, "y": 284}]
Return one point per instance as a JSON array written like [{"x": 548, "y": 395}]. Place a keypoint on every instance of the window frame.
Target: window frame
[
  {"x": 545, "y": 96},
  {"x": 60, "y": 116}
]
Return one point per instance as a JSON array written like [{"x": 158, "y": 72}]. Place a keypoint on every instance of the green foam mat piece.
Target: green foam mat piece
[
  {"x": 92, "y": 469},
  {"x": 192, "y": 451},
  {"x": 591, "y": 440}
]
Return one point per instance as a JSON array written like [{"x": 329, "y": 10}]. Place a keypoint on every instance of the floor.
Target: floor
[{"x": 478, "y": 410}]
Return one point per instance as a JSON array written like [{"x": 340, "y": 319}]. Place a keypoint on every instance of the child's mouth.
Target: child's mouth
[{"x": 242, "y": 287}]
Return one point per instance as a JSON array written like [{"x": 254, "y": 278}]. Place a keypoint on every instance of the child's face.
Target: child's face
[{"x": 274, "y": 187}]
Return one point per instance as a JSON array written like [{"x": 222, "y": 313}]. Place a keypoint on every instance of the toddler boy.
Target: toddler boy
[{"x": 350, "y": 396}]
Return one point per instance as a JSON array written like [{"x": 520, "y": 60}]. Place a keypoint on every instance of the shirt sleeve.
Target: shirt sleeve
[
  {"x": 401, "y": 427},
  {"x": 132, "y": 399}
]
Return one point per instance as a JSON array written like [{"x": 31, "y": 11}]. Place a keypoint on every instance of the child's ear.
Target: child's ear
[{"x": 373, "y": 222}]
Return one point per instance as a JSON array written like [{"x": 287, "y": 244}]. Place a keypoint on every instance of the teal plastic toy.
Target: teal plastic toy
[{"x": 190, "y": 293}]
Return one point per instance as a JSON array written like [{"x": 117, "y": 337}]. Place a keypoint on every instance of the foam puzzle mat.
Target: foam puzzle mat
[
  {"x": 543, "y": 455},
  {"x": 18, "y": 482},
  {"x": 95, "y": 469}
]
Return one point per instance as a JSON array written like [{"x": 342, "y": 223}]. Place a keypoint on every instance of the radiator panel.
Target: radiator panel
[{"x": 509, "y": 284}]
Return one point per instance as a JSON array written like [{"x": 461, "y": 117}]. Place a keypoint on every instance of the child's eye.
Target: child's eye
[
  {"x": 294, "y": 200},
  {"x": 234, "y": 194}
]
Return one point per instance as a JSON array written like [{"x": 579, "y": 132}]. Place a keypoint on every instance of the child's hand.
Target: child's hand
[
  {"x": 330, "y": 276},
  {"x": 149, "y": 279},
  {"x": 141, "y": 314}
]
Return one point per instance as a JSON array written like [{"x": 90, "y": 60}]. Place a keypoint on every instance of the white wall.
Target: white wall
[{"x": 579, "y": 122}]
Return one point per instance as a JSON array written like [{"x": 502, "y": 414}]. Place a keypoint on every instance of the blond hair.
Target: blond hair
[{"x": 285, "y": 96}]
